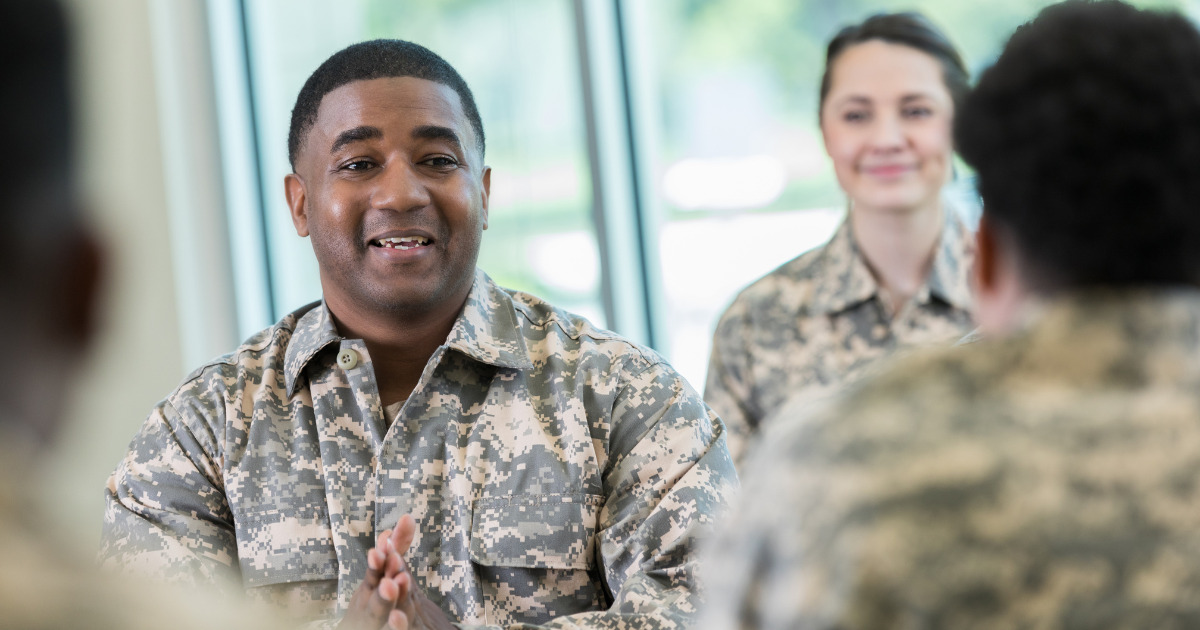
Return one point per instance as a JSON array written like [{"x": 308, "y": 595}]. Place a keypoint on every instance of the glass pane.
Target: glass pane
[
  {"x": 520, "y": 59},
  {"x": 740, "y": 182}
]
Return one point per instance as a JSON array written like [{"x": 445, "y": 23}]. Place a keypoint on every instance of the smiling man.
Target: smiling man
[{"x": 549, "y": 468}]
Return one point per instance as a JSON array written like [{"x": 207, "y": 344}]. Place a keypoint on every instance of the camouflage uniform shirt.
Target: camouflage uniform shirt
[
  {"x": 819, "y": 321},
  {"x": 553, "y": 469},
  {"x": 1051, "y": 480}
]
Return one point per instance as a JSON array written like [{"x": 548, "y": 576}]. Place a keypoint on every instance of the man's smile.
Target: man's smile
[{"x": 402, "y": 242}]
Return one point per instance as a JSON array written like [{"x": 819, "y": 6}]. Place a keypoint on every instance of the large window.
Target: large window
[{"x": 651, "y": 157}]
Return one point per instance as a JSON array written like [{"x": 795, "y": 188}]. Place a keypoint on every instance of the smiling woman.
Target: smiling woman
[{"x": 894, "y": 274}]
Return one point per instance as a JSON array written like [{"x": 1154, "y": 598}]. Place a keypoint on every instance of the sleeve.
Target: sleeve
[
  {"x": 166, "y": 515},
  {"x": 727, "y": 388},
  {"x": 669, "y": 481}
]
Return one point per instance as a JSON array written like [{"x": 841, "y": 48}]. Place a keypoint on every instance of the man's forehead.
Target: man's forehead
[{"x": 389, "y": 102}]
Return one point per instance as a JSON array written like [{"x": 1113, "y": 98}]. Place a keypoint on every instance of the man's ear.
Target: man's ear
[
  {"x": 986, "y": 270},
  {"x": 80, "y": 285},
  {"x": 486, "y": 193},
  {"x": 297, "y": 197}
]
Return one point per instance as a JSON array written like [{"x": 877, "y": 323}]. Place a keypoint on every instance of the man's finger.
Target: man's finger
[
  {"x": 404, "y": 533},
  {"x": 403, "y": 584},
  {"x": 389, "y": 590},
  {"x": 395, "y": 565},
  {"x": 382, "y": 602},
  {"x": 370, "y": 606}
]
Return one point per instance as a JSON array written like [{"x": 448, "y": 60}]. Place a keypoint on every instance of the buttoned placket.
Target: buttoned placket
[
  {"x": 355, "y": 501},
  {"x": 394, "y": 465}
]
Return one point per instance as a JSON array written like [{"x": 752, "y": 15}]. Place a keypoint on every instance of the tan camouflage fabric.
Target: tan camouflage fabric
[
  {"x": 817, "y": 322},
  {"x": 554, "y": 469},
  {"x": 48, "y": 583},
  {"x": 1051, "y": 480}
]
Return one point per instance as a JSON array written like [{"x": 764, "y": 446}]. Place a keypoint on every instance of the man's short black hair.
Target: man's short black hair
[
  {"x": 36, "y": 163},
  {"x": 376, "y": 59},
  {"x": 1085, "y": 135}
]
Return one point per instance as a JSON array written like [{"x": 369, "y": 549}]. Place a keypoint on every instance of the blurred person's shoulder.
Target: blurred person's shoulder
[
  {"x": 1077, "y": 356},
  {"x": 48, "y": 581},
  {"x": 907, "y": 398}
]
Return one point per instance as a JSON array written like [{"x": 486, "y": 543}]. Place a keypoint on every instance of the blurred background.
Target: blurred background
[{"x": 650, "y": 158}]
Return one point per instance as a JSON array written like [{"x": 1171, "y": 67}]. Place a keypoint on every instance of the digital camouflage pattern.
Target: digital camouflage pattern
[
  {"x": 1051, "y": 480},
  {"x": 817, "y": 322},
  {"x": 552, "y": 468}
]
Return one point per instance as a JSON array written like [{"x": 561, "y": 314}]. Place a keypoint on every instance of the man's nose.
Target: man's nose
[{"x": 400, "y": 188}]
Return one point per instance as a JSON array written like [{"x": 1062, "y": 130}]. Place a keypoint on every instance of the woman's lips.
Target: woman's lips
[{"x": 888, "y": 170}]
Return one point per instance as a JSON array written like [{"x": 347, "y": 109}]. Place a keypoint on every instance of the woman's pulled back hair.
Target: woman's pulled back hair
[{"x": 906, "y": 29}]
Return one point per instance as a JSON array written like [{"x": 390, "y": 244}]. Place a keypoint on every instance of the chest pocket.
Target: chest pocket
[
  {"x": 536, "y": 531},
  {"x": 534, "y": 556},
  {"x": 282, "y": 544}
]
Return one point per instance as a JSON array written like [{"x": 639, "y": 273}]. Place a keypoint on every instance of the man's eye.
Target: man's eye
[
  {"x": 442, "y": 162},
  {"x": 357, "y": 165}
]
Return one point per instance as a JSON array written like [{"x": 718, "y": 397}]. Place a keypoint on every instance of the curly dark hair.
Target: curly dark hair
[
  {"x": 376, "y": 59},
  {"x": 907, "y": 29},
  {"x": 1085, "y": 136}
]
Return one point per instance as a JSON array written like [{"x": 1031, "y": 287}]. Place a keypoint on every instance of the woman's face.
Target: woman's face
[{"x": 886, "y": 122}]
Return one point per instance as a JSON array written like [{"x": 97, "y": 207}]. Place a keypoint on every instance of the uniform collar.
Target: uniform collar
[
  {"x": 486, "y": 330},
  {"x": 843, "y": 279}
]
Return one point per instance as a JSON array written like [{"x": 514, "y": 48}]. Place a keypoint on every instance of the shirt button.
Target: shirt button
[{"x": 347, "y": 359}]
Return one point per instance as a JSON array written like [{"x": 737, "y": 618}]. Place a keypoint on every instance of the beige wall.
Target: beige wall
[{"x": 138, "y": 357}]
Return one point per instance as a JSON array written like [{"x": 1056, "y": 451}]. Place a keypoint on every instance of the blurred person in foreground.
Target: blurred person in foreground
[
  {"x": 50, "y": 275},
  {"x": 1046, "y": 476},
  {"x": 895, "y": 274},
  {"x": 532, "y": 468}
]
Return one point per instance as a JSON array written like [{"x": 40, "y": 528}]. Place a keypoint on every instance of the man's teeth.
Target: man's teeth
[{"x": 403, "y": 242}]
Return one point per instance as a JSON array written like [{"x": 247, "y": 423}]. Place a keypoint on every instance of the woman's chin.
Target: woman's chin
[{"x": 896, "y": 205}]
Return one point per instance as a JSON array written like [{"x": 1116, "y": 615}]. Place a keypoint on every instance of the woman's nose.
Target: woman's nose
[{"x": 886, "y": 133}]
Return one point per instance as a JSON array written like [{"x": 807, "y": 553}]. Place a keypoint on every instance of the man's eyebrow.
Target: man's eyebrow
[
  {"x": 437, "y": 132},
  {"x": 364, "y": 132}
]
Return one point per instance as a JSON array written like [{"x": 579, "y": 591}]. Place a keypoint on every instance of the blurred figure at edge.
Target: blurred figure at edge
[{"x": 51, "y": 266}]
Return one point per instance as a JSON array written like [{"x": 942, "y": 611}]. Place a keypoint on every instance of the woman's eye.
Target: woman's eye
[
  {"x": 854, "y": 116},
  {"x": 917, "y": 112}
]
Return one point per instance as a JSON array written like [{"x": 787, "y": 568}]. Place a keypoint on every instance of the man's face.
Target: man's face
[{"x": 391, "y": 188}]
